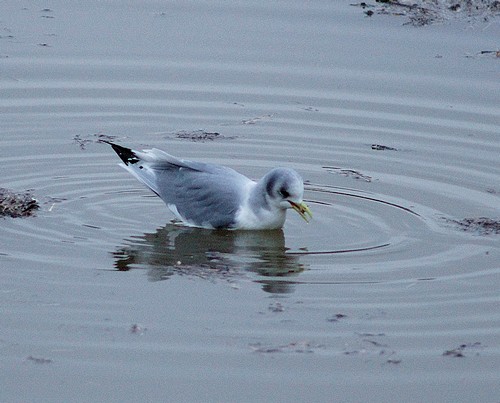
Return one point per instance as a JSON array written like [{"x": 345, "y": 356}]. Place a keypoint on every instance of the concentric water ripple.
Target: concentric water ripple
[{"x": 366, "y": 202}]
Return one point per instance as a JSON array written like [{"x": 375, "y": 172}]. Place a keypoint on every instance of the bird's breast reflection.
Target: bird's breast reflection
[{"x": 211, "y": 254}]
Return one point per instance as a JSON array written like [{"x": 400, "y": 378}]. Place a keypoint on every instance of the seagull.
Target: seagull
[{"x": 214, "y": 196}]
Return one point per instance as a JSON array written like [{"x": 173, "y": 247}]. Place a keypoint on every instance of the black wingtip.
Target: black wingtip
[{"x": 126, "y": 154}]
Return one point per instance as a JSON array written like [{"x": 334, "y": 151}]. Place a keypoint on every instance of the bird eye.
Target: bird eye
[{"x": 283, "y": 193}]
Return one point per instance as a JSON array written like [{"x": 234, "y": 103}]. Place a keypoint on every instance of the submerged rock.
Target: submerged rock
[{"x": 17, "y": 204}]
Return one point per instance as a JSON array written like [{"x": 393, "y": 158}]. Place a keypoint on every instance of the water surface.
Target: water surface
[{"x": 387, "y": 295}]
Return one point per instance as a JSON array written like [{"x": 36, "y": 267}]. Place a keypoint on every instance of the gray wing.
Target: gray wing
[
  {"x": 202, "y": 194},
  {"x": 205, "y": 196}
]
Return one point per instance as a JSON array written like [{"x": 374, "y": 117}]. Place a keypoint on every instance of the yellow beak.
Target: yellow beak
[{"x": 302, "y": 209}]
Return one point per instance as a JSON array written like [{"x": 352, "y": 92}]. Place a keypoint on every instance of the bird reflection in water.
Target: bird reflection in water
[{"x": 212, "y": 254}]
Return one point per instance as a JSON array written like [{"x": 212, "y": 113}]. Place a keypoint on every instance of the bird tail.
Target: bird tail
[
  {"x": 134, "y": 163},
  {"x": 127, "y": 155}
]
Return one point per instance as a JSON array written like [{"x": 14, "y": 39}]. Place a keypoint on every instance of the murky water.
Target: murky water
[{"x": 389, "y": 294}]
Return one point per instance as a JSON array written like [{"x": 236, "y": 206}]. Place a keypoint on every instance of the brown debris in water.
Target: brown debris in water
[
  {"x": 459, "y": 351},
  {"x": 297, "y": 347},
  {"x": 137, "y": 329},
  {"x": 39, "y": 360},
  {"x": 348, "y": 173},
  {"x": 371, "y": 345},
  {"x": 480, "y": 225},
  {"x": 17, "y": 204},
  {"x": 424, "y": 12},
  {"x": 84, "y": 141},
  {"x": 200, "y": 135},
  {"x": 336, "y": 317},
  {"x": 380, "y": 147},
  {"x": 276, "y": 307},
  {"x": 256, "y": 119}
]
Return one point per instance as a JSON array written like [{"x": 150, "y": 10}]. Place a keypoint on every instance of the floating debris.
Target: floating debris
[
  {"x": 459, "y": 351},
  {"x": 348, "y": 172},
  {"x": 276, "y": 307},
  {"x": 480, "y": 225},
  {"x": 484, "y": 53},
  {"x": 337, "y": 317},
  {"x": 137, "y": 329},
  {"x": 368, "y": 346},
  {"x": 424, "y": 12},
  {"x": 256, "y": 119},
  {"x": 17, "y": 204},
  {"x": 489, "y": 52},
  {"x": 379, "y": 147},
  {"x": 84, "y": 141},
  {"x": 293, "y": 347},
  {"x": 38, "y": 360},
  {"x": 310, "y": 109},
  {"x": 200, "y": 135}
]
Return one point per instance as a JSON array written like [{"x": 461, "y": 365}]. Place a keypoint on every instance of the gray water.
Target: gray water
[{"x": 391, "y": 292}]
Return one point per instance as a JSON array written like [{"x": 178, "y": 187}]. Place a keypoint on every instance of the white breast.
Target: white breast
[{"x": 248, "y": 218}]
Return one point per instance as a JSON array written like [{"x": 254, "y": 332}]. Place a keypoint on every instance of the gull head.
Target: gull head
[{"x": 285, "y": 189}]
